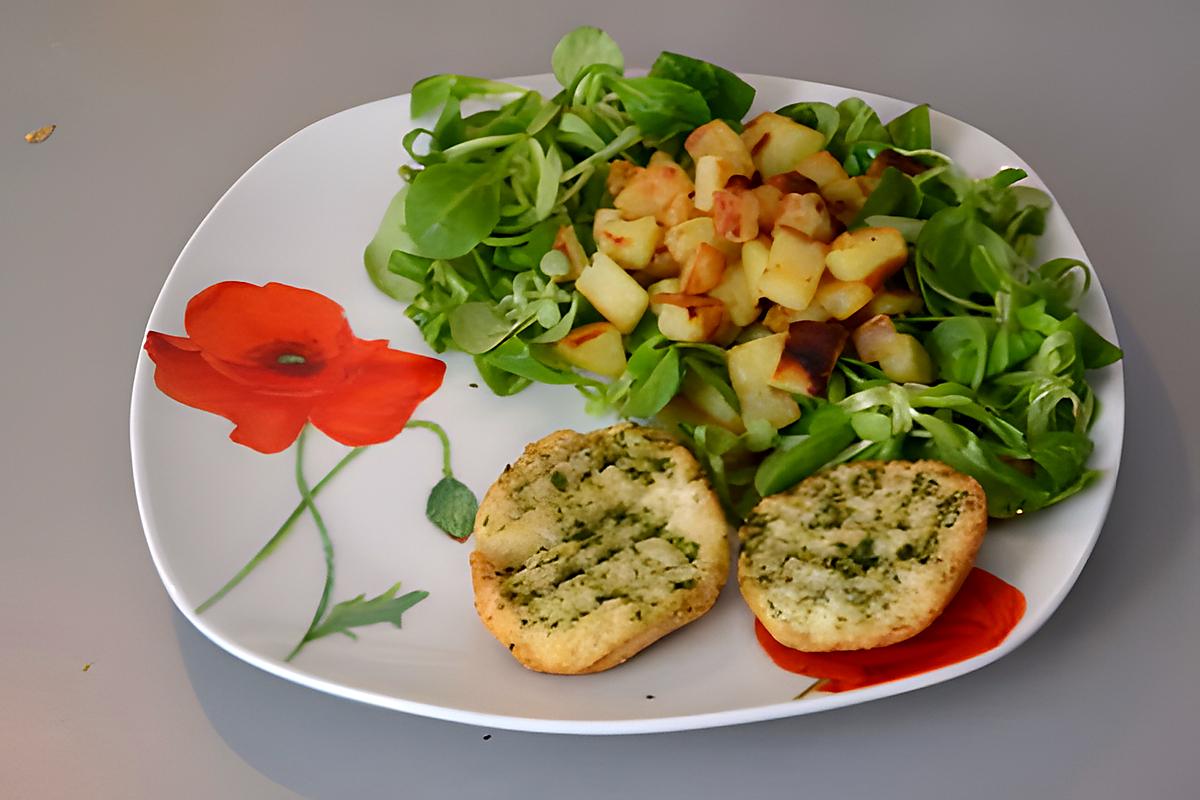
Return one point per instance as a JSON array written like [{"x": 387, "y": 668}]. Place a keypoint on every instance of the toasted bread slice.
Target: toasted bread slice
[
  {"x": 862, "y": 555},
  {"x": 593, "y": 546}
]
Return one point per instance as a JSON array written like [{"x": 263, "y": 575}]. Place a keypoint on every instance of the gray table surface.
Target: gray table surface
[{"x": 160, "y": 106}]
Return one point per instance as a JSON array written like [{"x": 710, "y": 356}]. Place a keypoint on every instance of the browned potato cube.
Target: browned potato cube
[
  {"x": 567, "y": 243},
  {"x": 703, "y": 271},
  {"x": 806, "y": 213},
  {"x": 822, "y": 169},
  {"x": 777, "y": 144},
  {"x": 655, "y": 192},
  {"x": 843, "y": 298},
  {"x": 735, "y": 215},
  {"x": 717, "y": 139},
  {"x": 688, "y": 318},
  {"x": 870, "y": 255},
  {"x": 808, "y": 358}
]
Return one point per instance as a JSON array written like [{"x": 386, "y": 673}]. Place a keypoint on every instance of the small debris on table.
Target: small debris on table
[{"x": 40, "y": 135}]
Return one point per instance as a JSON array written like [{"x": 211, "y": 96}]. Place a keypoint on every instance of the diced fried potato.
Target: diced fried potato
[
  {"x": 727, "y": 333},
  {"x": 777, "y": 144},
  {"x": 630, "y": 242},
  {"x": 845, "y": 198},
  {"x": 736, "y": 215},
  {"x": 792, "y": 183},
  {"x": 654, "y": 192},
  {"x": 793, "y": 270},
  {"x": 683, "y": 239},
  {"x": 755, "y": 257},
  {"x": 613, "y": 292},
  {"x": 741, "y": 305},
  {"x": 793, "y": 377},
  {"x": 776, "y": 318},
  {"x": 906, "y": 361},
  {"x": 806, "y": 213},
  {"x": 769, "y": 199},
  {"x": 808, "y": 358},
  {"x": 822, "y": 169},
  {"x": 703, "y": 271},
  {"x": 717, "y": 139},
  {"x": 660, "y": 266},
  {"x": 779, "y": 318},
  {"x": 665, "y": 286},
  {"x": 619, "y": 174},
  {"x": 843, "y": 298},
  {"x": 751, "y": 366},
  {"x": 870, "y": 255},
  {"x": 603, "y": 217},
  {"x": 894, "y": 301},
  {"x": 900, "y": 356},
  {"x": 874, "y": 337},
  {"x": 740, "y": 183},
  {"x": 679, "y": 210},
  {"x": 567, "y": 243},
  {"x": 596, "y": 347},
  {"x": 660, "y": 157},
  {"x": 712, "y": 173},
  {"x": 688, "y": 318}
]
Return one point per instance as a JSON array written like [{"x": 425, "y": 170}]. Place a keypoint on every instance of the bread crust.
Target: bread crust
[
  {"x": 801, "y": 587},
  {"x": 518, "y": 526}
]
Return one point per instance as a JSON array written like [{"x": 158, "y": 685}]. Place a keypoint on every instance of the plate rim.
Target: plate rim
[{"x": 635, "y": 725}]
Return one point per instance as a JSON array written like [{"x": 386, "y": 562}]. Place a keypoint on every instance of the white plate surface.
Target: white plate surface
[{"x": 302, "y": 215}]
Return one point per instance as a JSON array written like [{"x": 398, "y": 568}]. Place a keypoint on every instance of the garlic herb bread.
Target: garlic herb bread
[
  {"x": 862, "y": 555},
  {"x": 592, "y": 546}
]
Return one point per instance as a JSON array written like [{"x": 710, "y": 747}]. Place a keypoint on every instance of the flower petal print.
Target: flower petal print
[{"x": 271, "y": 358}]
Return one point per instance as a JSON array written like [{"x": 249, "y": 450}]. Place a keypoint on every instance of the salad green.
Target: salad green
[{"x": 468, "y": 243}]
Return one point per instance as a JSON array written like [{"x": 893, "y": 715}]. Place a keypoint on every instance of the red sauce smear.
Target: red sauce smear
[{"x": 979, "y": 617}]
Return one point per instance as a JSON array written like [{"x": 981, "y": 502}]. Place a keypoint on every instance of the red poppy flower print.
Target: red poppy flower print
[{"x": 272, "y": 358}]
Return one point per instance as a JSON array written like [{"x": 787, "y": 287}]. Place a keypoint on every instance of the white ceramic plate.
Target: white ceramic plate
[{"x": 302, "y": 216}]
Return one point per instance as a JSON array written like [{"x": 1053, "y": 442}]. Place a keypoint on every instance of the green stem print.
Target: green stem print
[
  {"x": 326, "y": 544},
  {"x": 281, "y": 534},
  {"x": 451, "y": 506},
  {"x": 447, "y": 471}
]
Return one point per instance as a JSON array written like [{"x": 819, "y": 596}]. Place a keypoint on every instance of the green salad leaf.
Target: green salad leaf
[
  {"x": 661, "y": 108},
  {"x": 910, "y": 130},
  {"x": 896, "y": 195},
  {"x": 392, "y": 237},
  {"x": 828, "y": 431},
  {"x": 432, "y": 93},
  {"x": 452, "y": 207},
  {"x": 726, "y": 95},
  {"x": 581, "y": 48}
]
